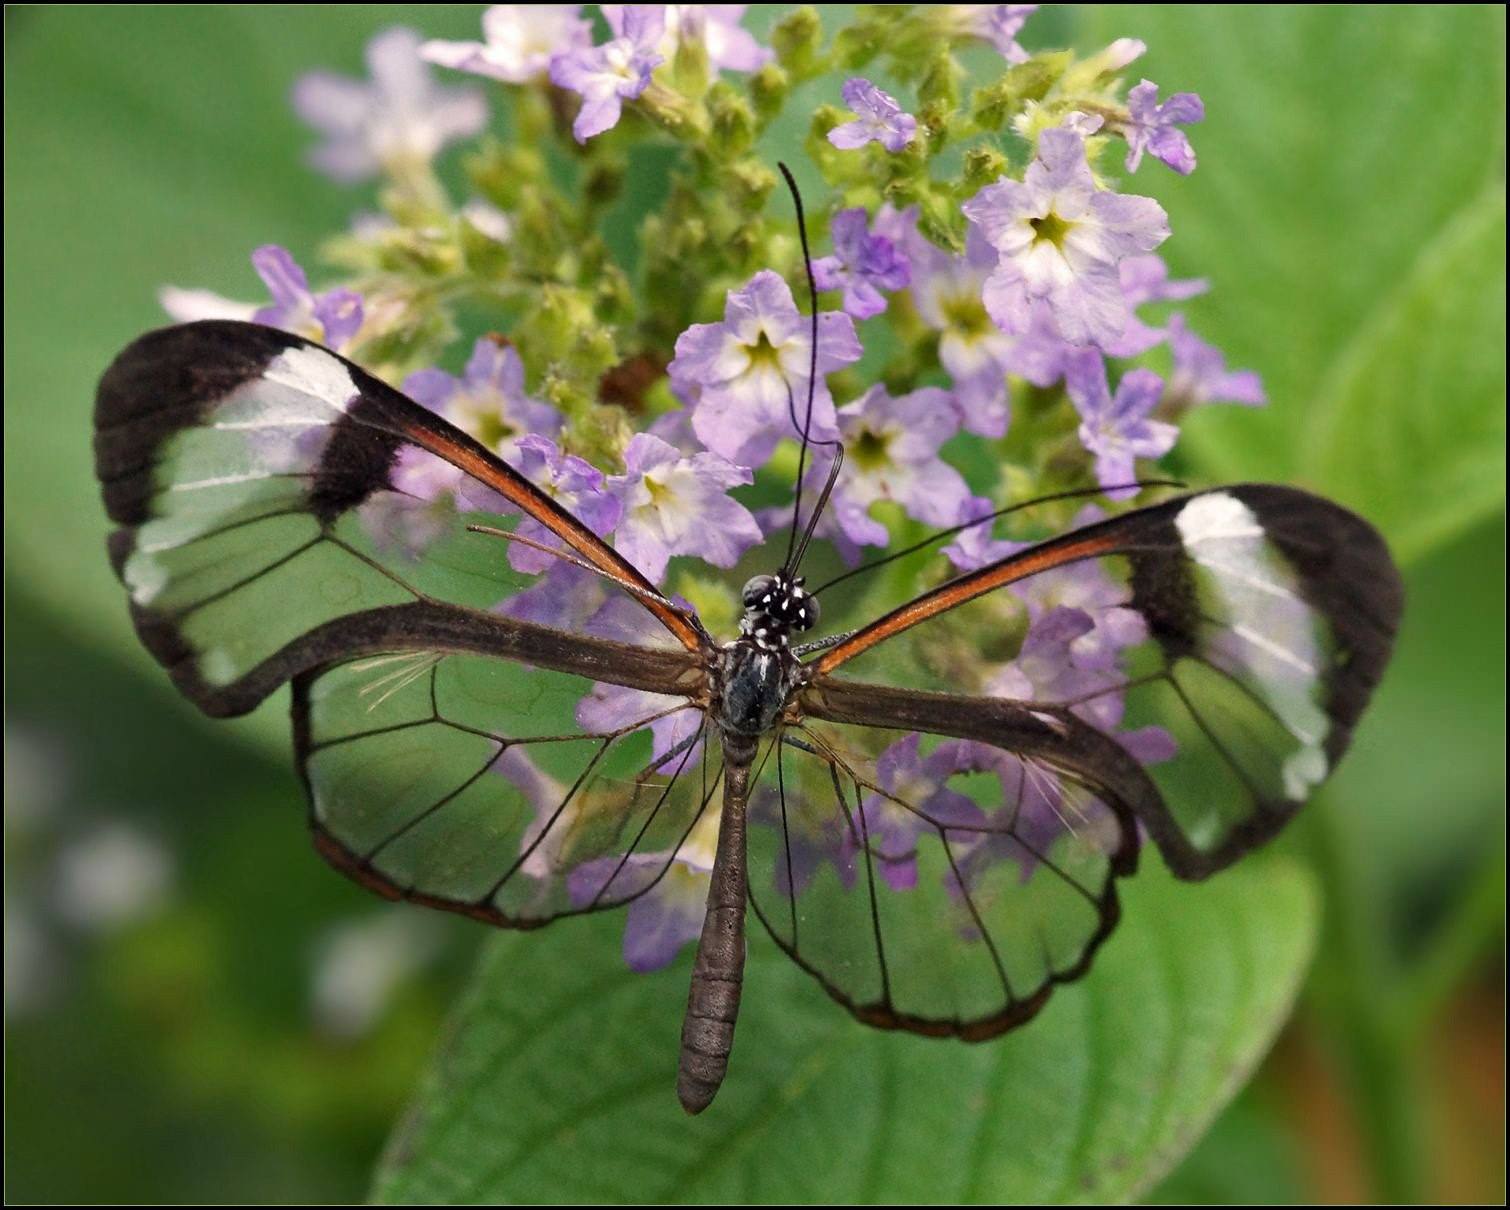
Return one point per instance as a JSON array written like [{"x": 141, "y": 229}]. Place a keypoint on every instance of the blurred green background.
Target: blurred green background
[{"x": 197, "y": 1010}]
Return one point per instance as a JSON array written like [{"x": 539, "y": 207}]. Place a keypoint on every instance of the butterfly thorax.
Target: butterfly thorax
[{"x": 758, "y": 671}]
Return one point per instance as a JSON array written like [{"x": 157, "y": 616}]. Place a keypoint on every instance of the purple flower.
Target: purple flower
[
  {"x": 746, "y": 374},
  {"x": 518, "y": 41},
  {"x": 1086, "y": 588},
  {"x": 891, "y": 447},
  {"x": 1116, "y": 429},
  {"x": 1118, "y": 55},
  {"x": 672, "y": 887},
  {"x": 488, "y": 401},
  {"x": 813, "y": 833},
  {"x": 892, "y": 453},
  {"x": 976, "y": 353},
  {"x": 541, "y": 848},
  {"x": 1059, "y": 239},
  {"x": 1151, "y": 127},
  {"x": 862, "y": 266},
  {"x": 672, "y": 720},
  {"x": 331, "y": 318},
  {"x": 566, "y": 597},
  {"x": 716, "y": 26},
  {"x": 999, "y": 25},
  {"x": 1047, "y": 670},
  {"x": 1040, "y": 353},
  {"x": 975, "y": 547},
  {"x": 880, "y": 119},
  {"x": 1200, "y": 373},
  {"x": 674, "y": 505},
  {"x": 625, "y": 619},
  {"x": 901, "y": 228},
  {"x": 1145, "y": 279},
  {"x": 400, "y": 117},
  {"x": 1039, "y": 809},
  {"x": 608, "y": 75},
  {"x": 419, "y": 511},
  {"x": 1039, "y": 806},
  {"x": 675, "y": 428},
  {"x": 1053, "y": 666},
  {"x": 574, "y": 484},
  {"x": 920, "y": 782}
]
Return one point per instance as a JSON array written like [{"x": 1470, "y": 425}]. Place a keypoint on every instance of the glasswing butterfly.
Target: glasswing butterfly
[{"x": 937, "y": 852}]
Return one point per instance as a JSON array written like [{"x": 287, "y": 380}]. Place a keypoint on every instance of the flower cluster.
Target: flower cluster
[{"x": 992, "y": 323}]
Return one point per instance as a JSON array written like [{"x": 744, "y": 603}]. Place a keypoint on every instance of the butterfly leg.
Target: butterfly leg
[{"x": 823, "y": 644}]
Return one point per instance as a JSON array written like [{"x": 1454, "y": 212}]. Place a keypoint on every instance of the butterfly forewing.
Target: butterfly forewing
[
  {"x": 267, "y": 489},
  {"x": 1229, "y": 640},
  {"x": 940, "y": 886}
]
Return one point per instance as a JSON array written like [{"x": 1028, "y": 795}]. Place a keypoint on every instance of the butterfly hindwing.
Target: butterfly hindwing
[
  {"x": 941, "y": 886},
  {"x": 463, "y": 782}
]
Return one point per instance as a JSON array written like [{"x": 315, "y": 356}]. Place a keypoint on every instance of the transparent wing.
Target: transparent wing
[
  {"x": 277, "y": 506},
  {"x": 938, "y": 886},
  {"x": 464, "y": 783},
  {"x": 482, "y": 726},
  {"x": 1230, "y": 640}
]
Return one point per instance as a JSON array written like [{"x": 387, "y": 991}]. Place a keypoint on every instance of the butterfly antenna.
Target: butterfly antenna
[
  {"x": 794, "y": 549},
  {"x": 1075, "y": 494}
]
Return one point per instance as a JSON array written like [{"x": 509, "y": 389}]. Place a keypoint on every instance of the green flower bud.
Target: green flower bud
[
  {"x": 798, "y": 40},
  {"x": 484, "y": 257},
  {"x": 769, "y": 89},
  {"x": 983, "y": 165},
  {"x": 994, "y": 105},
  {"x": 689, "y": 73},
  {"x": 939, "y": 88},
  {"x": 733, "y": 122},
  {"x": 673, "y": 112},
  {"x": 498, "y": 172},
  {"x": 747, "y": 184}
]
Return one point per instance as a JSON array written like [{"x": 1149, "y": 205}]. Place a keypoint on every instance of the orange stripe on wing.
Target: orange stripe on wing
[
  {"x": 966, "y": 588},
  {"x": 514, "y": 487}
]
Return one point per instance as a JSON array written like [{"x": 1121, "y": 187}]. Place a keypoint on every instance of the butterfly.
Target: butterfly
[{"x": 937, "y": 848}]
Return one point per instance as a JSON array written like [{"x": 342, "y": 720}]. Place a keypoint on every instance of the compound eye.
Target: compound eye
[
  {"x": 807, "y": 613},
  {"x": 755, "y": 588}
]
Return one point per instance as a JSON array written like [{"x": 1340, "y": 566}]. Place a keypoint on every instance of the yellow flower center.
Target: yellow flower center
[
  {"x": 660, "y": 494},
  {"x": 1051, "y": 229},
  {"x": 763, "y": 353},
  {"x": 484, "y": 419},
  {"x": 871, "y": 451},
  {"x": 966, "y": 313}
]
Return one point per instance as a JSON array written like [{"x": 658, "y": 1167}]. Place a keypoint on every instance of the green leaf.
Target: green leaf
[
  {"x": 1247, "y": 1158},
  {"x": 556, "y": 1081},
  {"x": 1344, "y": 148},
  {"x": 144, "y": 146},
  {"x": 1409, "y": 427},
  {"x": 1422, "y": 790}
]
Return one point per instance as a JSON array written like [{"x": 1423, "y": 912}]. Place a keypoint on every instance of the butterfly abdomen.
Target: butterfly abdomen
[{"x": 718, "y": 969}]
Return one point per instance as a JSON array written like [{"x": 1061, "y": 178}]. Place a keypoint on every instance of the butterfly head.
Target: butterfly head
[{"x": 775, "y": 606}]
